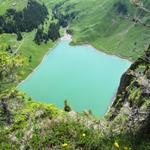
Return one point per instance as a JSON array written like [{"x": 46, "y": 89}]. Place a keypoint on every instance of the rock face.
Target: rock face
[{"x": 132, "y": 103}]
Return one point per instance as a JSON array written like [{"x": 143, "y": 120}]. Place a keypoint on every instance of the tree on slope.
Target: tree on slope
[
  {"x": 53, "y": 32},
  {"x": 19, "y": 36}
]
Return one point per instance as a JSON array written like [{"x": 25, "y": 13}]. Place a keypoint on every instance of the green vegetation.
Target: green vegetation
[
  {"x": 23, "y": 43},
  {"x": 8, "y": 70},
  {"x": 40, "y": 36},
  {"x": 53, "y": 34},
  {"x": 26, "y": 47},
  {"x": 133, "y": 98},
  {"x": 67, "y": 108},
  {"x": 109, "y": 26},
  {"x": 35, "y": 126},
  {"x": 19, "y": 36},
  {"x": 26, "y": 20},
  {"x": 15, "y": 4},
  {"x": 53, "y": 31},
  {"x": 30, "y": 49}
]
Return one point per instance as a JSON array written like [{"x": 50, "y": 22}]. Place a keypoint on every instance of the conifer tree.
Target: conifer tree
[
  {"x": 67, "y": 108},
  {"x": 19, "y": 36}
]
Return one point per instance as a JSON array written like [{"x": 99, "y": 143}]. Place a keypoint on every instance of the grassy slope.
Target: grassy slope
[
  {"x": 28, "y": 47},
  {"x": 98, "y": 25},
  {"x": 8, "y": 39},
  {"x": 18, "y": 5},
  {"x": 39, "y": 126}
]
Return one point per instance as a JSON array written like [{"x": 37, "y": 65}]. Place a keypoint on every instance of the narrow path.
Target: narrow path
[
  {"x": 145, "y": 9},
  {"x": 16, "y": 51},
  {"x": 124, "y": 33}
]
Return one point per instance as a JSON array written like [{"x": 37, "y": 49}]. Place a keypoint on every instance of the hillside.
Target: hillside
[
  {"x": 28, "y": 28},
  {"x": 110, "y": 26}
]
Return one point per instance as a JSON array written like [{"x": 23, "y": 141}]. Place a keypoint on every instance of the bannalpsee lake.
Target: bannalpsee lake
[{"x": 85, "y": 77}]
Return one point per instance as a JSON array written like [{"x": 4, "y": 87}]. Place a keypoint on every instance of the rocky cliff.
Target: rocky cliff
[{"x": 132, "y": 102}]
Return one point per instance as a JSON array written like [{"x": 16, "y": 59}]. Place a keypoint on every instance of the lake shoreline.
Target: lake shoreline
[
  {"x": 39, "y": 63},
  {"x": 68, "y": 37},
  {"x": 103, "y": 53}
]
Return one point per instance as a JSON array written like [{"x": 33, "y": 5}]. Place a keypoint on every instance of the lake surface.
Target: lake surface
[{"x": 88, "y": 79}]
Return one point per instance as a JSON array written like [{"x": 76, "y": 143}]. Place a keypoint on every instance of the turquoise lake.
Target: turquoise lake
[{"x": 87, "y": 78}]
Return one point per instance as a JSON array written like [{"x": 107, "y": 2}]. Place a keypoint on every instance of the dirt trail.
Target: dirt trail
[{"x": 16, "y": 51}]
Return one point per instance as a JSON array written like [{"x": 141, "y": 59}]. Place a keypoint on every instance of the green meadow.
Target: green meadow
[{"x": 102, "y": 28}]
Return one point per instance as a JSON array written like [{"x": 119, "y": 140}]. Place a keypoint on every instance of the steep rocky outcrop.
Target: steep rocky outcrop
[{"x": 132, "y": 103}]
